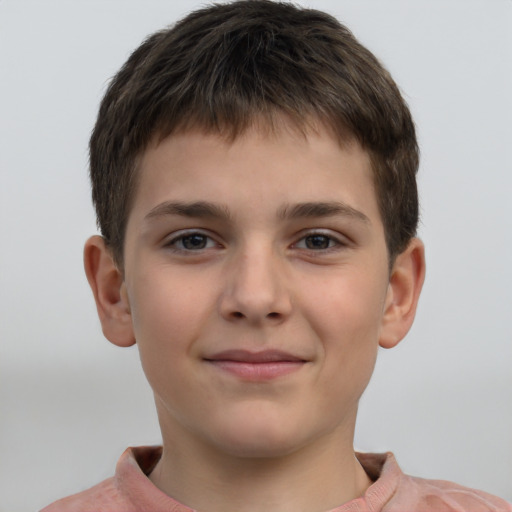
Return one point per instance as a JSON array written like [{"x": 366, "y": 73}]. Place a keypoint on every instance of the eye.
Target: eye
[
  {"x": 192, "y": 242},
  {"x": 318, "y": 242}
]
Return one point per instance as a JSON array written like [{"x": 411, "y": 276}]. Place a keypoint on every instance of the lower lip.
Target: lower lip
[{"x": 258, "y": 371}]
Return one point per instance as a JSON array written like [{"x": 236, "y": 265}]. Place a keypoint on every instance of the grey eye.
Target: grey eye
[
  {"x": 191, "y": 241},
  {"x": 195, "y": 241},
  {"x": 317, "y": 242}
]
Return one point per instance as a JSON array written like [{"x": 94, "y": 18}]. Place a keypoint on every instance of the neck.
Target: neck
[{"x": 315, "y": 478}]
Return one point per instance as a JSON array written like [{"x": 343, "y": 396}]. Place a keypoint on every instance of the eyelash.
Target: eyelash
[
  {"x": 172, "y": 244},
  {"x": 333, "y": 242}
]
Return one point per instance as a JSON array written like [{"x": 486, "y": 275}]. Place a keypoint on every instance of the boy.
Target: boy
[{"x": 253, "y": 173}]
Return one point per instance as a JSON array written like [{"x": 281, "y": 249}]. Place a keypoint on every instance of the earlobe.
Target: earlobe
[
  {"x": 404, "y": 289},
  {"x": 109, "y": 292}
]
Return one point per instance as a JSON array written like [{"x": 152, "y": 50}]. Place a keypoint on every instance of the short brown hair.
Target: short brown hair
[{"x": 224, "y": 67}]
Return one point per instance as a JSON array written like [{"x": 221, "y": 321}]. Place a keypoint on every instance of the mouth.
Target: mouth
[{"x": 256, "y": 366}]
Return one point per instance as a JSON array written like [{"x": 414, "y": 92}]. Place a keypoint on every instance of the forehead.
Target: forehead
[{"x": 280, "y": 166}]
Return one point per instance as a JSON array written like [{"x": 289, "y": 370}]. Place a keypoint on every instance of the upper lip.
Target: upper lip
[{"x": 247, "y": 356}]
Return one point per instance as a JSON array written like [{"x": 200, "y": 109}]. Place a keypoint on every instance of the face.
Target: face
[{"x": 256, "y": 273}]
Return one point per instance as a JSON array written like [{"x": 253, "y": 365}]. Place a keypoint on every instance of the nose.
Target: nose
[{"x": 256, "y": 289}]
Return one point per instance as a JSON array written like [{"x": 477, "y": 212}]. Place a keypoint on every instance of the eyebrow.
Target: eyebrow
[
  {"x": 205, "y": 209},
  {"x": 321, "y": 209},
  {"x": 197, "y": 209}
]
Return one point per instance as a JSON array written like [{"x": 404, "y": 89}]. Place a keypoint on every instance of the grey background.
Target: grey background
[{"x": 70, "y": 402}]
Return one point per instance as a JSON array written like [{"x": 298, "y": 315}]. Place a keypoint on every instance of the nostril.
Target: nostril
[
  {"x": 273, "y": 315},
  {"x": 237, "y": 314}
]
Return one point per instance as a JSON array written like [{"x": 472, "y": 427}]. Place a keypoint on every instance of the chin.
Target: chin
[{"x": 256, "y": 438}]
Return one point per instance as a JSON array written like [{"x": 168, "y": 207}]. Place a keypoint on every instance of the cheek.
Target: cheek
[
  {"x": 346, "y": 319},
  {"x": 163, "y": 304},
  {"x": 348, "y": 307},
  {"x": 167, "y": 317}
]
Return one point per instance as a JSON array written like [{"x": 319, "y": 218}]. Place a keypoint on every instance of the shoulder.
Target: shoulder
[
  {"x": 103, "y": 497},
  {"x": 130, "y": 490},
  {"x": 444, "y": 496},
  {"x": 394, "y": 491}
]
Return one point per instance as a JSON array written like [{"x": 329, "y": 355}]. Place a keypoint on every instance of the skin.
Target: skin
[{"x": 221, "y": 255}]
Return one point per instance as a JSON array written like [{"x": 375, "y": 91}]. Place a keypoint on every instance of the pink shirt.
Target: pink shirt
[{"x": 130, "y": 490}]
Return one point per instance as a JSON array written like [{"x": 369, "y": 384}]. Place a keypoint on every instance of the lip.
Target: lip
[{"x": 256, "y": 366}]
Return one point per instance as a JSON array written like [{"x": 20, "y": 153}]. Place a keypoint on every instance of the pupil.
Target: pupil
[
  {"x": 194, "y": 242},
  {"x": 317, "y": 242}
]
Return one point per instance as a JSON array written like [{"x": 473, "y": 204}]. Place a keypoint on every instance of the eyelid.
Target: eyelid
[
  {"x": 170, "y": 241},
  {"x": 339, "y": 239}
]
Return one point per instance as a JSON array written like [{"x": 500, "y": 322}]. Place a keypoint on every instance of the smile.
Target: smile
[{"x": 256, "y": 366}]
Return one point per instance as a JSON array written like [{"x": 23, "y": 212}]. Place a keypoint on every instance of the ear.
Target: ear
[
  {"x": 109, "y": 291},
  {"x": 404, "y": 289}
]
